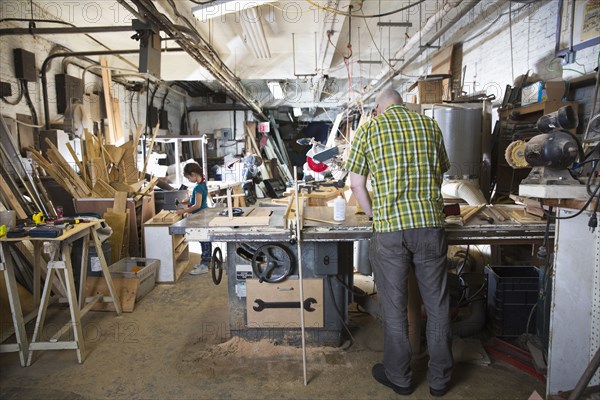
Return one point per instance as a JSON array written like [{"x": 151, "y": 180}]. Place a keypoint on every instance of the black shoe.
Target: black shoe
[
  {"x": 437, "y": 392},
  {"x": 378, "y": 373}
]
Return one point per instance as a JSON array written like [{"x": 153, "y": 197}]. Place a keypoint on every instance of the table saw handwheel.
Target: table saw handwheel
[
  {"x": 216, "y": 263},
  {"x": 272, "y": 263}
]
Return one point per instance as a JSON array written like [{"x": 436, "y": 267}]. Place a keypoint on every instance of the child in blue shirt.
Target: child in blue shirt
[{"x": 196, "y": 203}]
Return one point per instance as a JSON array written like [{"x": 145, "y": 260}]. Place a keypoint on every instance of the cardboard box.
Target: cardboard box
[
  {"x": 430, "y": 91},
  {"x": 532, "y": 93},
  {"x": 543, "y": 91}
]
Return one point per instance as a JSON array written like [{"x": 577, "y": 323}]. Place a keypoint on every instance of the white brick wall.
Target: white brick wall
[{"x": 488, "y": 56}]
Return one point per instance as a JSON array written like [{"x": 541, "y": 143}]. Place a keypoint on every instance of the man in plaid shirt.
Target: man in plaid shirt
[{"x": 404, "y": 154}]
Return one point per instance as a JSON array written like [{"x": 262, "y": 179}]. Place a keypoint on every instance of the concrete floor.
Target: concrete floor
[{"x": 175, "y": 345}]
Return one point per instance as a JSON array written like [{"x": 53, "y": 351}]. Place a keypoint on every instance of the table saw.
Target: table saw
[{"x": 261, "y": 264}]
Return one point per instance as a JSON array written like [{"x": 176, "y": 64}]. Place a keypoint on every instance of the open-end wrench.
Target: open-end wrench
[{"x": 306, "y": 304}]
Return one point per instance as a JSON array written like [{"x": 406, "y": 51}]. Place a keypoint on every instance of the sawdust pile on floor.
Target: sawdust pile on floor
[
  {"x": 235, "y": 355},
  {"x": 240, "y": 348}
]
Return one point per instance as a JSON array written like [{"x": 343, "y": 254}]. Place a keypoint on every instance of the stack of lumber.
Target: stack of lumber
[{"x": 104, "y": 169}]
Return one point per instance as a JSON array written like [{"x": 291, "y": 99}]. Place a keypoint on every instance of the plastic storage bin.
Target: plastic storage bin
[
  {"x": 132, "y": 277},
  {"x": 511, "y": 295},
  {"x": 142, "y": 269}
]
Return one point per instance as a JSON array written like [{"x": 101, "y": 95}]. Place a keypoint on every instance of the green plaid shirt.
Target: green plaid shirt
[{"x": 404, "y": 153}]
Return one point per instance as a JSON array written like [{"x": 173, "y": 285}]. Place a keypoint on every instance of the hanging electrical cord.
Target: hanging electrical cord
[
  {"x": 376, "y": 47},
  {"x": 32, "y": 20},
  {"x": 333, "y": 10},
  {"x": 587, "y": 203},
  {"x": 25, "y": 89}
]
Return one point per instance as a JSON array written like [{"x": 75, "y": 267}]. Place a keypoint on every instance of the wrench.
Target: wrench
[{"x": 306, "y": 304}]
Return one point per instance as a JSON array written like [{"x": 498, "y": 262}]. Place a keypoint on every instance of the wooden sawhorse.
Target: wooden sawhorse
[{"x": 60, "y": 267}]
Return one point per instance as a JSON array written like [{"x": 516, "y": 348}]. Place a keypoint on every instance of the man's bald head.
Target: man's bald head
[{"x": 387, "y": 98}]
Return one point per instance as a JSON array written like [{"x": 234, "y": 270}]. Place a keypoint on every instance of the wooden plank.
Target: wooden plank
[
  {"x": 103, "y": 189},
  {"x": 13, "y": 203},
  {"x": 74, "y": 155},
  {"x": 125, "y": 287},
  {"x": 108, "y": 101},
  {"x": 120, "y": 203},
  {"x": 262, "y": 212},
  {"x": 166, "y": 216},
  {"x": 41, "y": 161},
  {"x": 154, "y": 133},
  {"x": 84, "y": 172},
  {"x": 97, "y": 170},
  {"x": 122, "y": 187},
  {"x": 470, "y": 212},
  {"x": 118, "y": 223},
  {"x": 325, "y": 221},
  {"x": 119, "y": 134},
  {"x": 57, "y": 158}
]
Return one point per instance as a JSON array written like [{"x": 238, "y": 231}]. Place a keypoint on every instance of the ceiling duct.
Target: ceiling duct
[{"x": 193, "y": 44}]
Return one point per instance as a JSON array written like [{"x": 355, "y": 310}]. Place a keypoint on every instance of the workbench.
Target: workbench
[
  {"x": 327, "y": 250},
  {"x": 60, "y": 266}
]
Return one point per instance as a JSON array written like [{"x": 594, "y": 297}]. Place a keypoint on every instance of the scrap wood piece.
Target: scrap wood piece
[
  {"x": 118, "y": 223},
  {"x": 83, "y": 169},
  {"x": 113, "y": 125},
  {"x": 468, "y": 213},
  {"x": 74, "y": 155},
  {"x": 92, "y": 145},
  {"x": 46, "y": 166},
  {"x": 497, "y": 214},
  {"x": 120, "y": 202},
  {"x": 122, "y": 187},
  {"x": 13, "y": 203},
  {"x": 103, "y": 189},
  {"x": 322, "y": 220},
  {"x": 524, "y": 217},
  {"x": 57, "y": 158},
  {"x": 154, "y": 133},
  {"x": 166, "y": 216},
  {"x": 147, "y": 189}
]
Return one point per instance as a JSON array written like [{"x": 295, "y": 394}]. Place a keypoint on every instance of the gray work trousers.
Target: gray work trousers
[{"x": 391, "y": 255}]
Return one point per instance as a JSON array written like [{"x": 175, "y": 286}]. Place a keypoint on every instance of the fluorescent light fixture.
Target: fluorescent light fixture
[
  {"x": 218, "y": 8},
  {"x": 276, "y": 89},
  {"x": 255, "y": 35}
]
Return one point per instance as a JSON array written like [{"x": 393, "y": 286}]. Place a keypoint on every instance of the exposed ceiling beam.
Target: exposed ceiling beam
[{"x": 190, "y": 40}]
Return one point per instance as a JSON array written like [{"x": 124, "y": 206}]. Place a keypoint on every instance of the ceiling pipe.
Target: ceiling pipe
[
  {"x": 63, "y": 31},
  {"x": 75, "y": 54},
  {"x": 203, "y": 53},
  {"x": 388, "y": 74}
]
